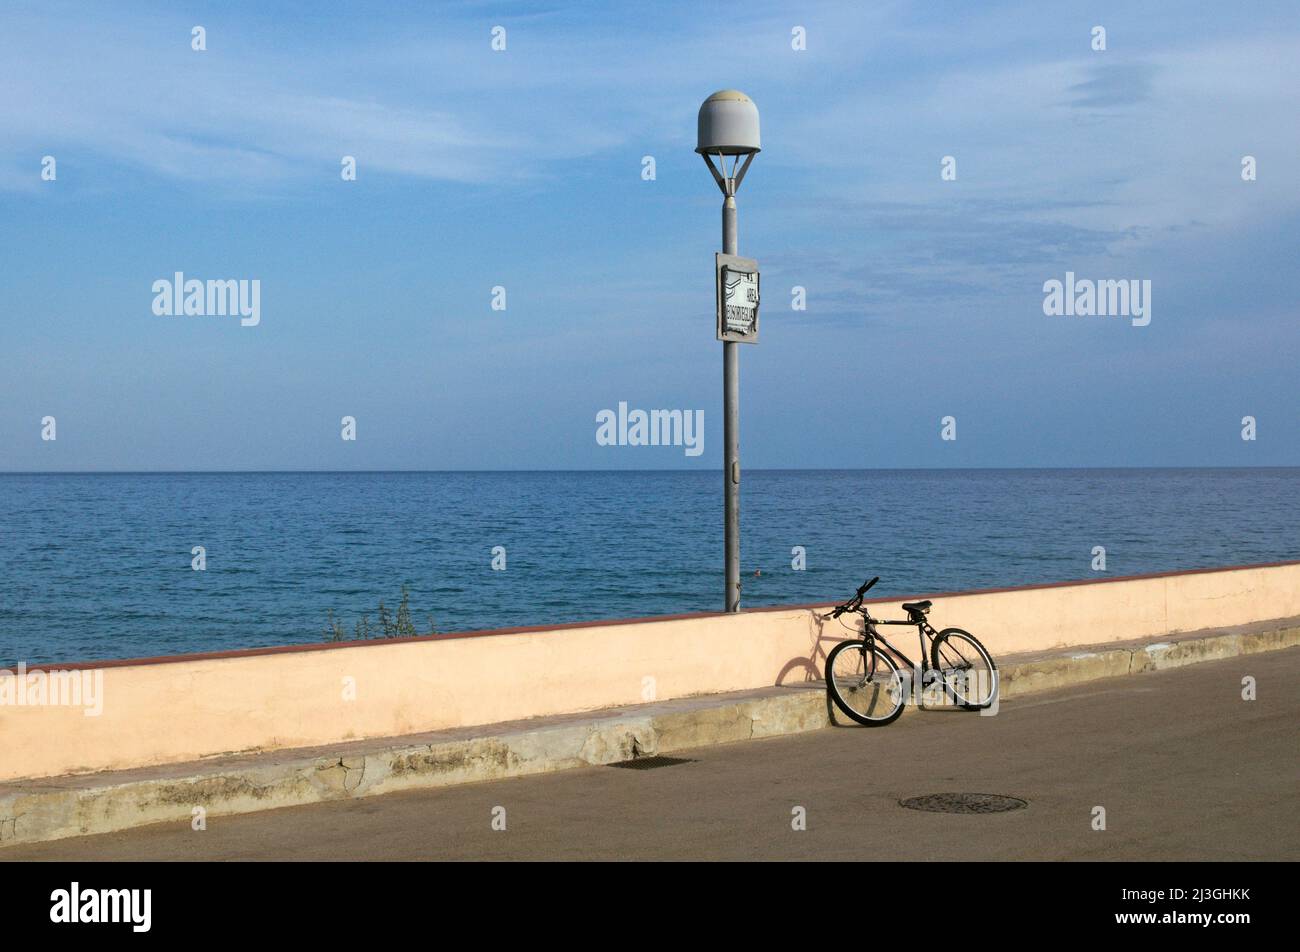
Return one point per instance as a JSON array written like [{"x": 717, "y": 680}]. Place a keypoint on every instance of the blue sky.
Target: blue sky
[{"x": 523, "y": 169}]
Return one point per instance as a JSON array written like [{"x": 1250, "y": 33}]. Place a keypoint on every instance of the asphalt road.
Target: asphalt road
[{"x": 1183, "y": 766}]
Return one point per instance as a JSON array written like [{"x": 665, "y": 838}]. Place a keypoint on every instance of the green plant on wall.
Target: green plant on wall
[{"x": 391, "y": 625}]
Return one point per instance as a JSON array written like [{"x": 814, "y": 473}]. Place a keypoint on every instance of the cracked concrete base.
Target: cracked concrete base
[{"x": 58, "y": 807}]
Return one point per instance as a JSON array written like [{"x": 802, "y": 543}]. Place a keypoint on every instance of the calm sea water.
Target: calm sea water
[{"x": 99, "y": 565}]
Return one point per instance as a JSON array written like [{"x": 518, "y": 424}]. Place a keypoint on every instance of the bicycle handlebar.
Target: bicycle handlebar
[{"x": 853, "y": 603}]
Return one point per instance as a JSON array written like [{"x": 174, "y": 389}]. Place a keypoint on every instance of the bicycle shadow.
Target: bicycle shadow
[{"x": 824, "y": 634}]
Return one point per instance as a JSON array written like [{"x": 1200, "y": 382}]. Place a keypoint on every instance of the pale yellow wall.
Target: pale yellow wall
[{"x": 185, "y": 710}]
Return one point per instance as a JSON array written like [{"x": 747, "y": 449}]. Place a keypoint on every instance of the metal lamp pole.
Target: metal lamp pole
[
  {"x": 731, "y": 419},
  {"x": 728, "y": 126}
]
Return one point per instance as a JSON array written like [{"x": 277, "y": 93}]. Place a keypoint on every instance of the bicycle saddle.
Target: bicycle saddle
[{"x": 921, "y": 607}]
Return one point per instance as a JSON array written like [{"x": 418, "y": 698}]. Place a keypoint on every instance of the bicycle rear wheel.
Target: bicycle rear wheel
[
  {"x": 865, "y": 683},
  {"x": 967, "y": 670}
]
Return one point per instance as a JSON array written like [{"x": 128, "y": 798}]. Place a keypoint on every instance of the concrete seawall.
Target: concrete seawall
[
  {"x": 185, "y": 708},
  {"x": 33, "y": 811}
]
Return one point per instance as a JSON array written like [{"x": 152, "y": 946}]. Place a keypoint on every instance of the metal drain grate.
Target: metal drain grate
[
  {"x": 650, "y": 763},
  {"x": 964, "y": 803}
]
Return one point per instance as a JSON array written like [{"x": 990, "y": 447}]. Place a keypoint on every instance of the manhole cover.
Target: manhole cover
[
  {"x": 650, "y": 763},
  {"x": 964, "y": 803}
]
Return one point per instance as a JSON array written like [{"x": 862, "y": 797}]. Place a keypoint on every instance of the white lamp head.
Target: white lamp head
[{"x": 728, "y": 125}]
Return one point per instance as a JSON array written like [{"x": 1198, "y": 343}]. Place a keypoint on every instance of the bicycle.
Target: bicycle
[{"x": 865, "y": 682}]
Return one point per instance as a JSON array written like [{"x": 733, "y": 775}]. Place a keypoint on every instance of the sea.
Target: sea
[{"x": 100, "y": 566}]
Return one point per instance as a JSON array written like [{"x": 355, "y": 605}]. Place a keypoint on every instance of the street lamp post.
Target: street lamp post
[{"x": 728, "y": 126}]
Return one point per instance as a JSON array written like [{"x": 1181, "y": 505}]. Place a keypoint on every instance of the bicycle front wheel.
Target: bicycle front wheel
[
  {"x": 966, "y": 669},
  {"x": 865, "y": 683}
]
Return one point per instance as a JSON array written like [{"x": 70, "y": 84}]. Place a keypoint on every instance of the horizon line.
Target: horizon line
[{"x": 699, "y": 470}]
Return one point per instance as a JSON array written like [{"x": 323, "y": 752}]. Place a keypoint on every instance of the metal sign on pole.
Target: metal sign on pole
[
  {"x": 736, "y": 290},
  {"x": 728, "y": 126}
]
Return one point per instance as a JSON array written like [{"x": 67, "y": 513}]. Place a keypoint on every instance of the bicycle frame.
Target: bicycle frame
[{"x": 924, "y": 631}]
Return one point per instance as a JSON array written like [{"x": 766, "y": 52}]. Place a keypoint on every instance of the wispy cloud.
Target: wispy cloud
[{"x": 1113, "y": 84}]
